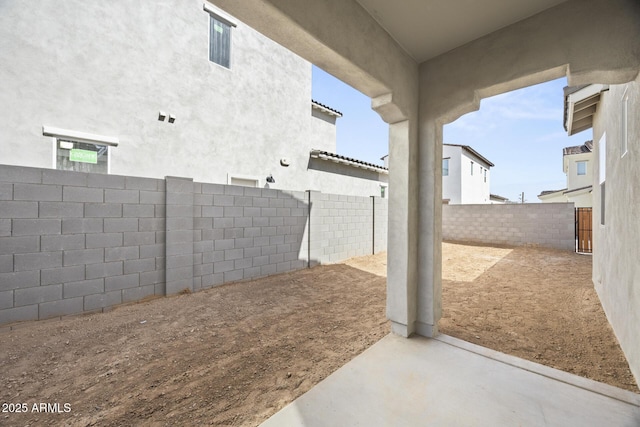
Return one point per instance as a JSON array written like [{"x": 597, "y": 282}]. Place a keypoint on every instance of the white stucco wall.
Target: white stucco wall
[
  {"x": 474, "y": 188},
  {"x": 460, "y": 187},
  {"x": 108, "y": 69},
  {"x": 616, "y": 258},
  {"x": 452, "y": 183}
]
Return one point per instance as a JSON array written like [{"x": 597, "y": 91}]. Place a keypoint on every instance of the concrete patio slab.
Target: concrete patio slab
[{"x": 449, "y": 382}]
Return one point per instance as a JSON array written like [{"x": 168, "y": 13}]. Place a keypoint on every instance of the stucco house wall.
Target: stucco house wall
[
  {"x": 110, "y": 69},
  {"x": 571, "y": 169},
  {"x": 459, "y": 186},
  {"x": 616, "y": 259}
]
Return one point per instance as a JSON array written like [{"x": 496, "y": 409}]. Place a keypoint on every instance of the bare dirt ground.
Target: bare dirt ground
[
  {"x": 537, "y": 304},
  {"x": 236, "y": 354}
]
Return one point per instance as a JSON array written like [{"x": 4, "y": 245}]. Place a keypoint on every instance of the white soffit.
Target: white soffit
[
  {"x": 581, "y": 107},
  {"x": 428, "y": 28}
]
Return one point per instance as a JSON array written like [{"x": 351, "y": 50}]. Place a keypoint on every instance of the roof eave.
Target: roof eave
[{"x": 580, "y": 106}]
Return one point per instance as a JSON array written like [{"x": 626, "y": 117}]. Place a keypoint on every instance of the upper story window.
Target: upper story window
[
  {"x": 471, "y": 168},
  {"x": 445, "y": 167},
  {"x": 485, "y": 175},
  {"x": 219, "y": 37},
  {"x": 582, "y": 167}
]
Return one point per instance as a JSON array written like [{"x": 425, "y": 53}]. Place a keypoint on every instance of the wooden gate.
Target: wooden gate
[{"x": 584, "y": 242}]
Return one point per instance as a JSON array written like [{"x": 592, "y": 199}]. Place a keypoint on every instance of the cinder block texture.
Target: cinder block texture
[
  {"x": 541, "y": 224},
  {"x": 73, "y": 242}
]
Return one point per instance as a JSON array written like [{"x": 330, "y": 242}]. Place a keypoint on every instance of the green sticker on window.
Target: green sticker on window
[
  {"x": 83, "y": 156},
  {"x": 218, "y": 28}
]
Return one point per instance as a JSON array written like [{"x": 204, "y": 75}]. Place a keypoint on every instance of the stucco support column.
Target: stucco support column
[
  {"x": 429, "y": 287},
  {"x": 402, "y": 248}
]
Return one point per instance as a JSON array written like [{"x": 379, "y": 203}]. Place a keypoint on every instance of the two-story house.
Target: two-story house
[
  {"x": 164, "y": 88},
  {"x": 466, "y": 175},
  {"x": 577, "y": 164}
]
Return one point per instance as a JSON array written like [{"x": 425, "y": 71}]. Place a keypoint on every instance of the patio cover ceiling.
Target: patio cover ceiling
[{"x": 428, "y": 28}]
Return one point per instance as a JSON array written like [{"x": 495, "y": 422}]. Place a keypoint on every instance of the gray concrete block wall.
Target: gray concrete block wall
[
  {"x": 243, "y": 233},
  {"x": 380, "y": 224},
  {"x": 179, "y": 235},
  {"x": 545, "y": 224},
  {"x": 74, "y": 242},
  {"x": 341, "y": 227}
]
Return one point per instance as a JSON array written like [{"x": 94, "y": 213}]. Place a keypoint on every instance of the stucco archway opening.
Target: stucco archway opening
[{"x": 532, "y": 302}]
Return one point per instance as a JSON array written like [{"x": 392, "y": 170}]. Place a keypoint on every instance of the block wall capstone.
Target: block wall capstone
[
  {"x": 74, "y": 242},
  {"x": 549, "y": 225}
]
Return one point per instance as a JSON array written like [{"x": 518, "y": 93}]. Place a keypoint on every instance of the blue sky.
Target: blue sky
[{"x": 520, "y": 132}]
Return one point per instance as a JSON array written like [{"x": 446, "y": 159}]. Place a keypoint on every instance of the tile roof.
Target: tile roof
[
  {"x": 587, "y": 147},
  {"x": 324, "y": 108},
  {"x": 325, "y": 155}
]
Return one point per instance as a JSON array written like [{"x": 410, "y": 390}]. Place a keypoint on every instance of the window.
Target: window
[
  {"x": 445, "y": 167},
  {"x": 624, "y": 136},
  {"x": 471, "y": 168},
  {"x": 582, "y": 168},
  {"x": 220, "y": 43},
  {"x": 82, "y": 156},
  {"x": 383, "y": 191},
  {"x": 602, "y": 165},
  {"x": 485, "y": 175},
  {"x": 79, "y": 151},
  {"x": 219, "y": 36},
  {"x": 243, "y": 181},
  {"x": 602, "y": 204}
]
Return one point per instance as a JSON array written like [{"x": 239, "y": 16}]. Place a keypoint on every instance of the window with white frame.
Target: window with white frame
[
  {"x": 79, "y": 151},
  {"x": 445, "y": 167},
  {"x": 624, "y": 134},
  {"x": 485, "y": 175},
  {"x": 471, "y": 168},
  {"x": 582, "y": 167},
  {"x": 243, "y": 181},
  {"x": 91, "y": 157},
  {"x": 602, "y": 169},
  {"x": 219, "y": 36}
]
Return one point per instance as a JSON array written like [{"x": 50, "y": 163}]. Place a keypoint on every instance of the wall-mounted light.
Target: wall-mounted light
[
  {"x": 172, "y": 118},
  {"x": 285, "y": 162},
  {"x": 270, "y": 179},
  {"x": 161, "y": 116}
]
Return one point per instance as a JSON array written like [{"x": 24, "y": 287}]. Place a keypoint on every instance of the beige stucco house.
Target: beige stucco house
[
  {"x": 615, "y": 122},
  {"x": 577, "y": 164}
]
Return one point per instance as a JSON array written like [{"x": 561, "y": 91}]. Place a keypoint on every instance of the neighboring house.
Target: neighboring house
[
  {"x": 577, "y": 164},
  {"x": 498, "y": 200},
  {"x": 612, "y": 112},
  {"x": 163, "y": 88},
  {"x": 465, "y": 175}
]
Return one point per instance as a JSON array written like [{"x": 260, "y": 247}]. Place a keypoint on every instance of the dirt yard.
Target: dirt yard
[{"x": 236, "y": 354}]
